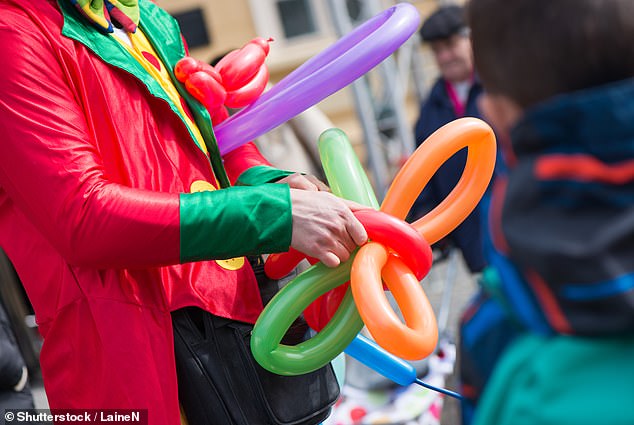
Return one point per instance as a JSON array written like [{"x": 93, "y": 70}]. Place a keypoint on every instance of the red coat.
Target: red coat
[{"x": 95, "y": 214}]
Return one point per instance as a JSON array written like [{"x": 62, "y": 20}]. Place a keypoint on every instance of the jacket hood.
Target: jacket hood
[{"x": 598, "y": 121}]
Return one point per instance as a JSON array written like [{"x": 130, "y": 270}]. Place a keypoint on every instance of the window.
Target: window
[
  {"x": 291, "y": 21},
  {"x": 193, "y": 27},
  {"x": 297, "y": 17}
]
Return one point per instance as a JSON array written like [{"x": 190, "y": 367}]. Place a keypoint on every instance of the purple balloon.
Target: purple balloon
[{"x": 331, "y": 70}]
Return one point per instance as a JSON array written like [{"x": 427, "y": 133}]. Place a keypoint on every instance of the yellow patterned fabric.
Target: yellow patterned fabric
[{"x": 142, "y": 51}]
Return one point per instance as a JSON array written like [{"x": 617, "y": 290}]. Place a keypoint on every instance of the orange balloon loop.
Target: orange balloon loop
[
  {"x": 413, "y": 340},
  {"x": 417, "y": 337},
  {"x": 400, "y": 255},
  {"x": 470, "y": 133}
]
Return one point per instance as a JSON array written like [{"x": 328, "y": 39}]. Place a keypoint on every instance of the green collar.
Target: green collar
[{"x": 170, "y": 49}]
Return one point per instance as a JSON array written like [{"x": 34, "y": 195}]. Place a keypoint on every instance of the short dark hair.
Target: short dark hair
[
  {"x": 531, "y": 50},
  {"x": 443, "y": 23}
]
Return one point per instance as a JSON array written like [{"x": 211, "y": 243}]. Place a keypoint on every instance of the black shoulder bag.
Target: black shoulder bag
[{"x": 220, "y": 383}]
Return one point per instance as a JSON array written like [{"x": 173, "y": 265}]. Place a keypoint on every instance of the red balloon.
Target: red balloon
[
  {"x": 400, "y": 237},
  {"x": 208, "y": 69},
  {"x": 319, "y": 312},
  {"x": 236, "y": 81},
  {"x": 263, "y": 43},
  {"x": 239, "y": 66},
  {"x": 185, "y": 67},
  {"x": 219, "y": 115},
  {"x": 280, "y": 264},
  {"x": 248, "y": 93},
  {"x": 206, "y": 90}
]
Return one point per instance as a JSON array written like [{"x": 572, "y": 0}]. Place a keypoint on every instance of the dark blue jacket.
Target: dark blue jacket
[{"x": 436, "y": 111}]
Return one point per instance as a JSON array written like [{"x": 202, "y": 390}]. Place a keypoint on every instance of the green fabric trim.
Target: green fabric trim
[
  {"x": 170, "y": 49},
  {"x": 561, "y": 380},
  {"x": 236, "y": 221},
  {"x": 261, "y": 174}
]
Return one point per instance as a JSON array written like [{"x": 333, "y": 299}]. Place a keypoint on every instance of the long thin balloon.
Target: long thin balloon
[
  {"x": 344, "y": 172},
  {"x": 324, "y": 74},
  {"x": 398, "y": 370},
  {"x": 413, "y": 339}
]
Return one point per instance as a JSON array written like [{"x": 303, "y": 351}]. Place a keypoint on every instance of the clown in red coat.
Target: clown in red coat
[{"x": 107, "y": 202}]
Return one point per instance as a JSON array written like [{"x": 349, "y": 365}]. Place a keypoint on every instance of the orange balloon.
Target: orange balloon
[
  {"x": 471, "y": 133},
  {"x": 415, "y": 339}
]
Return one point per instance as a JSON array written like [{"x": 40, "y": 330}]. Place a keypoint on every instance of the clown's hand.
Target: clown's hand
[
  {"x": 304, "y": 182},
  {"x": 324, "y": 226}
]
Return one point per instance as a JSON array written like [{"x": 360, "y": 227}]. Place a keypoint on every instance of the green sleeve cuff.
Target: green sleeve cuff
[
  {"x": 261, "y": 174},
  {"x": 235, "y": 221}
]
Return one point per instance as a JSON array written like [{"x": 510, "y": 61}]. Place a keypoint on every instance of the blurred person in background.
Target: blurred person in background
[{"x": 453, "y": 95}]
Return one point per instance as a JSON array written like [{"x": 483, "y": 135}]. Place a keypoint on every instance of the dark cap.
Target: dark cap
[{"x": 443, "y": 23}]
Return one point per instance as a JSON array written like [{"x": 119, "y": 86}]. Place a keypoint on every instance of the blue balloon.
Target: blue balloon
[
  {"x": 398, "y": 370},
  {"x": 370, "y": 354}
]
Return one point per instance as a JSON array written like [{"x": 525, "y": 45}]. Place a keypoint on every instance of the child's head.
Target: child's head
[{"x": 527, "y": 51}]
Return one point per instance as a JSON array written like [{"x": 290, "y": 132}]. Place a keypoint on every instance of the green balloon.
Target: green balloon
[
  {"x": 343, "y": 170},
  {"x": 347, "y": 180},
  {"x": 287, "y": 305}
]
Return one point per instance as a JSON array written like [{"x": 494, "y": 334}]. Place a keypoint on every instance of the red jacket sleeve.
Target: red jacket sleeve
[{"x": 52, "y": 171}]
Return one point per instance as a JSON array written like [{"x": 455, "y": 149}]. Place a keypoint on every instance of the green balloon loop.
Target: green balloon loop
[
  {"x": 289, "y": 304},
  {"x": 347, "y": 180}
]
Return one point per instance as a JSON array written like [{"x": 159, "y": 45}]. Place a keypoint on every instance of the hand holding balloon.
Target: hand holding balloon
[
  {"x": 380, "y": 227},
  {"x": 318, "y": 281},
  {"x": 324, "y": 226},
  {"x": 279, "y": 265},
  {"x": 348, "y": 181}
]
